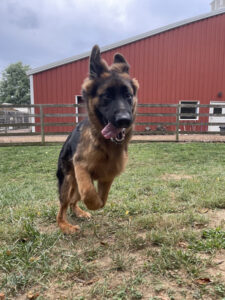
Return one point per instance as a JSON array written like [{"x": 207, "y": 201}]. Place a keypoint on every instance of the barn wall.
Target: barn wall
[{"x": 185, "y": 63}]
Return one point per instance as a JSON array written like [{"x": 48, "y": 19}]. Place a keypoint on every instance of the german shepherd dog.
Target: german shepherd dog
[{"x": 97, "y": 147}]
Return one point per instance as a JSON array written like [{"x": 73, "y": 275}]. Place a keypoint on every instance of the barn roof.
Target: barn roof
[{"x": 127, "y": 41}]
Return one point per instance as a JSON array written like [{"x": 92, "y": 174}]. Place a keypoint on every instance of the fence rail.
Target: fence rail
[{"x": 151, "y": 119}]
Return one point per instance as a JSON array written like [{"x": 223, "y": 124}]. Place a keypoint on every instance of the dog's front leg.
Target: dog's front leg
[
  {"x": 86, "y": 188},
  {"x": 103, "y": 190}
]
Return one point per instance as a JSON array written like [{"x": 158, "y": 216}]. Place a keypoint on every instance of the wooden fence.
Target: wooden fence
[{"x": 152, "y": 119}]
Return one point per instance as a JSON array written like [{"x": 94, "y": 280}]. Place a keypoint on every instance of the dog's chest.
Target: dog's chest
[{"x": 107, "y": 165}]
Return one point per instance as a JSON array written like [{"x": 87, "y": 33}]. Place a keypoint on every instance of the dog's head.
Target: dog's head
[{"x": 111, "y": 96}]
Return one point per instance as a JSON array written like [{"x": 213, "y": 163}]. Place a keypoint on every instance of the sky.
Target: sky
[{"x": 39, "y": 32}]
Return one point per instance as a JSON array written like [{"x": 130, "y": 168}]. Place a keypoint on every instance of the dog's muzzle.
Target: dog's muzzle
[
  {"x": 113, "y": 133},
  {"x": 120, "y": 137}
]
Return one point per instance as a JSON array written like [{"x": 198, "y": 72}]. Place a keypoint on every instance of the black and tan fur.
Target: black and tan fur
[{"x": 86, "y": 156}]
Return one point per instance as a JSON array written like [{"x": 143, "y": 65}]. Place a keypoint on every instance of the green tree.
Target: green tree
[{"x": 14, "y": 85}]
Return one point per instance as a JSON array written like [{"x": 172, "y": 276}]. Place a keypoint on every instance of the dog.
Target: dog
[{"x": 96, "y": 150}]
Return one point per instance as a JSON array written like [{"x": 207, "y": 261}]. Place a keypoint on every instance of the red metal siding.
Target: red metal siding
[{"x": 185, "y": 63}]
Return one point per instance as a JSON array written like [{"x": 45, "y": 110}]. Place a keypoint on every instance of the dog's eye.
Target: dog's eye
[
  {"x": 106, "y": 96},
  {"x": 129, "y": 97}
]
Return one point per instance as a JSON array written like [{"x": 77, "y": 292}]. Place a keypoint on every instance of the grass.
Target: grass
[{"x": 160, "y": 234}]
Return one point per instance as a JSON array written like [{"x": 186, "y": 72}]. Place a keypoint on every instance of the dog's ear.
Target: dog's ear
[
  {"x": 97, "y": 65},
  {"x": 119, "y": 59},
  {"x": 135, "y": 85}
]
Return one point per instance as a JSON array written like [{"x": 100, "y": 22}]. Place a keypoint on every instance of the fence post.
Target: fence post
[
  {"x": 5, "y": 117},
  {"x": 177, "y": 122},
  {"x": 42, "y": 125}
]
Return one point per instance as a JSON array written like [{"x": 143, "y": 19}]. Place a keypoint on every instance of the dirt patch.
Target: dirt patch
[
  {"x": 182, "y": 138},
  {"x": 217, "y": 218},
  {"x": 218, "y": 271},
  {"x": 104, "y": 262},
  {"x": 49, "y": 229},
  {"x": 176, "y": 176},
  {"x": 136, "y": 138},
  {"x": 31, "y": 139}
]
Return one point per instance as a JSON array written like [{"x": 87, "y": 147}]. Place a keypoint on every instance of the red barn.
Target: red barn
[{"x": 180, "y": 63}]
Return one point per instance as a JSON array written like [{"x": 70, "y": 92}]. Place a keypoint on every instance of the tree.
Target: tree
[{"x": 14, "y": 85}]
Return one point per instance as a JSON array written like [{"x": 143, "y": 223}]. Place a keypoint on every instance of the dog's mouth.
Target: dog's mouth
[{"x": 116, "y": 135}]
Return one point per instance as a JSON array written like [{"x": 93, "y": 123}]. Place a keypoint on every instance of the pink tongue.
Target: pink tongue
[{"x": 110, "y": 131}]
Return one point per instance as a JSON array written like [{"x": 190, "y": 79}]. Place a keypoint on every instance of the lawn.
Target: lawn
[{"x": 161, "y": 234}]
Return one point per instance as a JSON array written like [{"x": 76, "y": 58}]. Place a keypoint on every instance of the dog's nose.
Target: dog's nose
[{"x": 123, "y": 120}]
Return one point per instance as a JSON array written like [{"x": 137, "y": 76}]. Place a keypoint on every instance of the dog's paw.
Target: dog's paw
[
  {"x": 93, "y": 201},
  {"x": 81, "y": 213},
  {"x": 94, "y": 205},
  {"x": 70, "y": 229}
]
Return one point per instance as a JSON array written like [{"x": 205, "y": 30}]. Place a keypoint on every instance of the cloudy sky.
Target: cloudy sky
[{"x": 38, "y": 32}]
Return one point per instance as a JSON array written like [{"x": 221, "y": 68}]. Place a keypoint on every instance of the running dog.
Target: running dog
[{"x": 96, "y": 150}]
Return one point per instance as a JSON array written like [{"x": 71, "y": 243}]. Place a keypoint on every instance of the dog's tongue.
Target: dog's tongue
[{"x": 110, "y": 131}]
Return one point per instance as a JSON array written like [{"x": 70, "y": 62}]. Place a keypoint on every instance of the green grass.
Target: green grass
[
  {"x": 161, "y": 230},
  {"x": 211, "y": 240}
]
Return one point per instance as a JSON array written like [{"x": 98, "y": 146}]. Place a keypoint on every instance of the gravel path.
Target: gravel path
[{"x": 150, "y": 138}]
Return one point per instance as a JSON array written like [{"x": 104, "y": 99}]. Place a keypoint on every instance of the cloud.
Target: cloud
[
  {"x": 38, "y": 32},
  {"x": 21, "y": 16}
]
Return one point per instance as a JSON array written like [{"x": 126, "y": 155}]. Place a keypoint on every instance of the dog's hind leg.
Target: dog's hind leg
[{"x": 66, "y": 195}]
